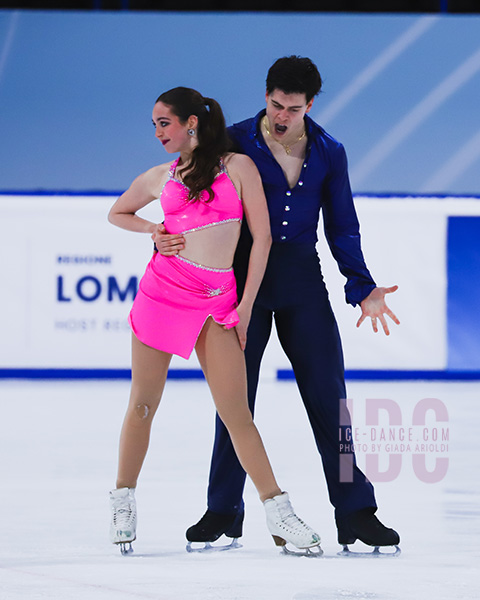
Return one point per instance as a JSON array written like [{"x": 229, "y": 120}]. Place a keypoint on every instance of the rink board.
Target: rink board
[{"x": 69, "y": 279}]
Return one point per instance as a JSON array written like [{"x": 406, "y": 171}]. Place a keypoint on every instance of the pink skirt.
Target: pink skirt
[{"x": 175, "y": 298}]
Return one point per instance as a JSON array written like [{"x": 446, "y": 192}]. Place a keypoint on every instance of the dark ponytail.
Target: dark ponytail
[{"x": 212, "y": 135}]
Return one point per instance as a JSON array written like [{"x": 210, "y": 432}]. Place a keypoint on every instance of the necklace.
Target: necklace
[{"x": 287, "y": 148}]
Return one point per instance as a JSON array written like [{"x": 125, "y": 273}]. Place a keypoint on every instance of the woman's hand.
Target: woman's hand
[
  {"x": 166, "y": 243},
  {"x": 244, "y": 315}
]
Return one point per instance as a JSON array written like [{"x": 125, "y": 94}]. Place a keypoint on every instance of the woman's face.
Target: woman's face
[{"x": 169, "y": 130}]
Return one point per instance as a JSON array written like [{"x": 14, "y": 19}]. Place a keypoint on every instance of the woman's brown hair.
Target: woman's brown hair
[{"x": 212, "y": 136}]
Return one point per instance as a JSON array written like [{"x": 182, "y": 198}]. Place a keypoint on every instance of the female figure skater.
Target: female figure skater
[{"x": 189, "y": 300}]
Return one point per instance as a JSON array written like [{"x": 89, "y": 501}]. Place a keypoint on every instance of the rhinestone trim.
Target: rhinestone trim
[
  {"x": 199, "y": 266},
  {"x": 211, "y": 225},
  {"x": 212, "y": 292}
]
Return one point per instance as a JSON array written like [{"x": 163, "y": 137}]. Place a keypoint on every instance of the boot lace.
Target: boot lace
[
  {"x": 290, "y": 519},
  {"x": 123, "y": 514}
]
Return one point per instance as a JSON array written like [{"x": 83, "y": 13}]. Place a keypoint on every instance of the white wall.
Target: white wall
[{"x": 47, "y": 326}]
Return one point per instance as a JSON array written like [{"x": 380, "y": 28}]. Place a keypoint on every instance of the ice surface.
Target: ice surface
[{"x": 58, "y": 461}]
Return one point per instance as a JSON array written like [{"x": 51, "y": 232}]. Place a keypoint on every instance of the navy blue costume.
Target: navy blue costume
[{"x": 293, "y": 293}]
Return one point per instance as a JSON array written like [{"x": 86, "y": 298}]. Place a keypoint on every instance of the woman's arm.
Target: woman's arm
[
  {"x": 144, "y": 189},
  {"x": 247, "y": 179}
]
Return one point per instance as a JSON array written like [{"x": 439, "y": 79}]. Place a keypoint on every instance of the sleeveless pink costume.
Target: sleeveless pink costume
[{"x": 176, "y": 296}]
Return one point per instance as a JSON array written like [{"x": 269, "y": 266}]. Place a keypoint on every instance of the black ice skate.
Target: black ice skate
[
  {"x": 363, "y": 525},
  {"x": 212, "y": 526}
]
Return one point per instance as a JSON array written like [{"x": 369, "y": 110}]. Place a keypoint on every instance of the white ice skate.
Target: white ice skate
[
  {"x": 286, "y": 527},
  {"x": 123, "y": 526}
]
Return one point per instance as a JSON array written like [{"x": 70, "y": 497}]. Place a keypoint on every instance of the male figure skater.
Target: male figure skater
[{"x": 304, "y": 170}]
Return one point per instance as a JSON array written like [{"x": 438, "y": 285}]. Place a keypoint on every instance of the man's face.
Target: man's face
[{"x": 285, "y": 112}]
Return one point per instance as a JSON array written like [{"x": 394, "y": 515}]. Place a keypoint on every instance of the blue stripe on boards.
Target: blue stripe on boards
[
  {"x": 463, "y": 276},
  {"x": 90, "y": 374},
  {"x": 397, "y": 375},
  {"x": 282, "y": 374},
  {"x": 357, "y": 195},
  {"x": 61, "y": 193}
]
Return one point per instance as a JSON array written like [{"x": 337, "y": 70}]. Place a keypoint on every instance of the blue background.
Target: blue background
[{"x": 77, "y": 89}]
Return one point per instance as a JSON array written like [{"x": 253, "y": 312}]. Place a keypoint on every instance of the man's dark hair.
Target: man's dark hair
[{"x": 294, "y": 75}]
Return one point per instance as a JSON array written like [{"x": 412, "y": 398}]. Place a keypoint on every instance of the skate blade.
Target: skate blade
[
  {"x": 125, "y": 548},
  {"x": 375, "y": 553},
  {"x": 208, "y": 547},
  {"x": 314, "y": 552}
]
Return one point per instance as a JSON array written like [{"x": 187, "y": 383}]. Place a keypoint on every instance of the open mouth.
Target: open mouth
[{"x": 280, "y": 129}]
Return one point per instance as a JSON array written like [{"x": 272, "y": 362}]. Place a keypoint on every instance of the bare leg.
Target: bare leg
[
  {"x": 223, "y": 363},
  {"x": 149, "y": 373}
]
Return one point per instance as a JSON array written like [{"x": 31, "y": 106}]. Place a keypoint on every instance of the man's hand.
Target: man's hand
[
  {"x": 374, "y": 306},
  {"x": 166, "y": 243}
]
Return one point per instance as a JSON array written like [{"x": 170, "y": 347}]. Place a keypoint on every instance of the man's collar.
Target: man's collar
[{"x": 255, "y": 130}]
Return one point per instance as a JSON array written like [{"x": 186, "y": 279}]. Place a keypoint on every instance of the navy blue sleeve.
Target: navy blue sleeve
[{"x": 342, "y": 229}]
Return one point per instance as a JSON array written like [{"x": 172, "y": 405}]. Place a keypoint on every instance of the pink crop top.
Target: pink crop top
[{"x": 184, "y": 216}]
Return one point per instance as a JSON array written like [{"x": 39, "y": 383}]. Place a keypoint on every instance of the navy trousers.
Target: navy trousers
[{"x": 293, "y": 294}]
